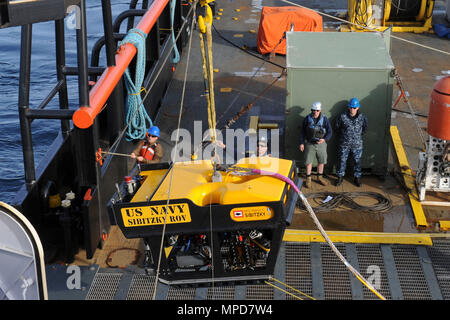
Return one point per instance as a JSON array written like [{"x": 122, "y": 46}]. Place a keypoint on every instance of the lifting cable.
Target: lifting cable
[
  {"x": 176, "y": 143},
  {"x": 244, "y": 109},
  {"x": 250, "y": 171},
  {"x": 204, "y": 26}
]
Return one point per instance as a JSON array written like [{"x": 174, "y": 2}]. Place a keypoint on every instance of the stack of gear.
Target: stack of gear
[{"x": 275, "y": 21}]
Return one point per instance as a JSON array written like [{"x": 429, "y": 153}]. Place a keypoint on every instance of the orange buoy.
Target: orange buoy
[{"x": 439, "y": 113}]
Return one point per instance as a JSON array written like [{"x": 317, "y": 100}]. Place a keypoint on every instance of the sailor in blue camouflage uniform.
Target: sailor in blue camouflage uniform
[{"x": 351, "y": 126}]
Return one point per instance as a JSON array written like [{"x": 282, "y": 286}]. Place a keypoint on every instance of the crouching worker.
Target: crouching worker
[{"x": 149, "y": 150}]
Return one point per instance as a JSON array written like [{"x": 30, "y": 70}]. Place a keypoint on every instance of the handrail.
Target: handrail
[{"x": 84, "y": 117}]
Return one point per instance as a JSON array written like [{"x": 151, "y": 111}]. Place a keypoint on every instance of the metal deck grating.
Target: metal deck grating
[
  {"x": 220, "y": 293},
  {"x": 259, "y": 292},
  {"x": 177, "y": 293},
  {"x": 142, "y": 287},
  {"x": 371, "y": 264},
  {"x": 298, "y": 269},
  {"x": 440, "y": 257},
  {"x": 405, "y": 273},
  {"x": 104, "y": 286},
  {"x": 336, "y": 278},
  {"x": 412, "y": 278}
]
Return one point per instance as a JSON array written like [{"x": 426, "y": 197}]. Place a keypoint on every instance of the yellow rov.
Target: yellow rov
[{"x": 203, "y": 223}]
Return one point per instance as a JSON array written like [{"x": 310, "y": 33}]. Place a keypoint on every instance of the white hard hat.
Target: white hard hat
[
  {"x": 316, "y": 106},
  {"x": 263, "y": 139}
]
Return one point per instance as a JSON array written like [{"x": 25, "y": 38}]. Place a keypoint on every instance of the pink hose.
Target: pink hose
[{"x": 278, "y": 176}]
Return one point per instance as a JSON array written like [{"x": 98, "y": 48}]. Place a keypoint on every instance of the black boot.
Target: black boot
[
  {"x": 339, "y": 181},
  {"x": 357, "y": 182}
]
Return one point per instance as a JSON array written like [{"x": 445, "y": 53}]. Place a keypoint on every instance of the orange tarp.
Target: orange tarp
[{"x": 275, "y": 21}]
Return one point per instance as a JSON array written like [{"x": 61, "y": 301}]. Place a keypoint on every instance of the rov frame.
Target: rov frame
[{"x": 216, "y": 227}]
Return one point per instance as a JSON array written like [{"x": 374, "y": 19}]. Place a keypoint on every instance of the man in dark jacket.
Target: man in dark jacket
[
  {"x": 316, "y": 131},
  {"x": 351, "y": 126}
]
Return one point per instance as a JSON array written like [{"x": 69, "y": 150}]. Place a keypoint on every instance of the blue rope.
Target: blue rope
[
  {"x": 136, "y": 113},
  {"x": 176, "y": 57}
]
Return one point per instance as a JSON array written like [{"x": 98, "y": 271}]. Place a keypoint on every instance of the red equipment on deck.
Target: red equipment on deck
[
  {"x": 439, "y": 113},
  {"x": 275, "y": 21}
]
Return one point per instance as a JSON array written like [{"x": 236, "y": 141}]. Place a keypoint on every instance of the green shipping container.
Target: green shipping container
[{"x": 333, "y": 67}]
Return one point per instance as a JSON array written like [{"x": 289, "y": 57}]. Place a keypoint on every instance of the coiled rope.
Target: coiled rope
[
  {"x": 176, "y": 54},
  {"x": 332, "y": 200},
  {"x": 136, "y": 116}
]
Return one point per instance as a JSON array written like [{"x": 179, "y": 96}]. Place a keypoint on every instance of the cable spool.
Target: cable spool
[
  {"x": 404, "y": 10},
  {"x": 439, "y": 113}
]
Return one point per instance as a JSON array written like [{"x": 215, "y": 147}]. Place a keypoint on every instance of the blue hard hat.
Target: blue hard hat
[
  {"x": 153, "y": 131},
  {"x": 353, "y": 103}
]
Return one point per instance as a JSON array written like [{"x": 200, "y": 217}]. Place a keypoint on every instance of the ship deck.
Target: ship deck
[{"x": 359, "y": 233}]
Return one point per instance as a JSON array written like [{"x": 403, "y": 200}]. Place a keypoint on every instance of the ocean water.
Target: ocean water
[{"x": 43, "y": 78}]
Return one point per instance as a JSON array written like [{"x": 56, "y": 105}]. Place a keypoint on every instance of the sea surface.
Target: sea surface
[{"x": 43, "y": 79}]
